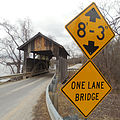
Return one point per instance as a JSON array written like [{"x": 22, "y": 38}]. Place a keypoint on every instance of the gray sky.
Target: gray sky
[{"x": 48, "y": 16}]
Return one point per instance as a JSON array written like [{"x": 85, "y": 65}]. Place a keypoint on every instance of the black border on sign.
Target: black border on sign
[
  {"x": 76, "y": 40},
  {"x": 74, "y": 76}
]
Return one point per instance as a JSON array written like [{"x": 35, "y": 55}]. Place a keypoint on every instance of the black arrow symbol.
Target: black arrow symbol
[
  {"x": 93, "y": 15},
  {"x": 90, "y": 47}
]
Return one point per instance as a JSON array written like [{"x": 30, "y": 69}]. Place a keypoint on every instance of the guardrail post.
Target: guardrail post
[
  {"x": 55, "y": 95},
  {"x": 56, "y": 100}
]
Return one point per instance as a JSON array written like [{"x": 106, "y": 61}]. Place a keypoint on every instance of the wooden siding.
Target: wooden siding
[
  {"x": 42, "y": 44},
  {"x": 43, "y": 47},
  {"x": 37, "y": 44}
]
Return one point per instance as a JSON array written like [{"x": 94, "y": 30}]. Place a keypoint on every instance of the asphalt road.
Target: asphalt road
[{"x": 18, "y": 98}]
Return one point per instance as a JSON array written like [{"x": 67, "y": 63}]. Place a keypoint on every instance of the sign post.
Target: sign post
[{"x": 88, "y": 87}]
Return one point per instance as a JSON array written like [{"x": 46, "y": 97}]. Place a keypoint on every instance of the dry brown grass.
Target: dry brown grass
[{"x": 40, "y": 111}]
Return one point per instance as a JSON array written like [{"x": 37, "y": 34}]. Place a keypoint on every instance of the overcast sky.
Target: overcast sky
[{"x": 48, "y": 16}]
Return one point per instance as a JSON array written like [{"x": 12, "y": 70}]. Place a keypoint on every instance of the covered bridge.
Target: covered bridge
[{"x": 43, "y": 49}]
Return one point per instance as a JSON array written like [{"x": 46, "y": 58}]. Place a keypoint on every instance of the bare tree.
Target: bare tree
[
  {"x": 15, "y": 35},
  {"x": 108, "y": 59},
  {"x": 26, "y": 29},
  {"x": 112, "y": 15}
]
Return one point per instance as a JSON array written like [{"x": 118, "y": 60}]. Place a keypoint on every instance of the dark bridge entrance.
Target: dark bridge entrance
[{"x": 37, "y": 54}]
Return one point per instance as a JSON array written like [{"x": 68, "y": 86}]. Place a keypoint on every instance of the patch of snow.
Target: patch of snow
[{"x": 77, "y": 66}]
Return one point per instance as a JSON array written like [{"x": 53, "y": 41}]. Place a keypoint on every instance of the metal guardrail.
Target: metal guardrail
[{"x": 51, "y": 109}]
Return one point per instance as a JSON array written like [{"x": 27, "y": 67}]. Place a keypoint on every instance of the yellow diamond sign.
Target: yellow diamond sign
[
  {"x": 86, "y": 89},
  {"x": 90, "y": 31}
]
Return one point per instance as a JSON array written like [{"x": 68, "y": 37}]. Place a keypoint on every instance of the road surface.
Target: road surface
[{"x": 18, "y": 98}]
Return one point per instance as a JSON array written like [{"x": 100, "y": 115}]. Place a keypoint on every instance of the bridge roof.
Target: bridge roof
[{"x": 23, "y": 46}]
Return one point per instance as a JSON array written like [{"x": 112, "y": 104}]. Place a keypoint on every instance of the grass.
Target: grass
[{"x": 40, "y": 111}]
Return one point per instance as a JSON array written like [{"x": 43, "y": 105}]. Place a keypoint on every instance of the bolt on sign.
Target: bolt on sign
[
  {"x": 90, "y": 31},
  {"x": 88, "y": 87}
]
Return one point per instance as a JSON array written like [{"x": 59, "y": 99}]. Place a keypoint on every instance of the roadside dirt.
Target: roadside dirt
[{"x": 40, "y": 111}]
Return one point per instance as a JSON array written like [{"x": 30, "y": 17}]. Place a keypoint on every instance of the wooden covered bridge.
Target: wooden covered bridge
[{"x": 42, "y": 49}]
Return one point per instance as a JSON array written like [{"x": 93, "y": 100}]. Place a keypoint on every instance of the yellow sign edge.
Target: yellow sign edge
[
  {"x": 76, "y": 40},
  {"x": 74, "y": 76}
]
